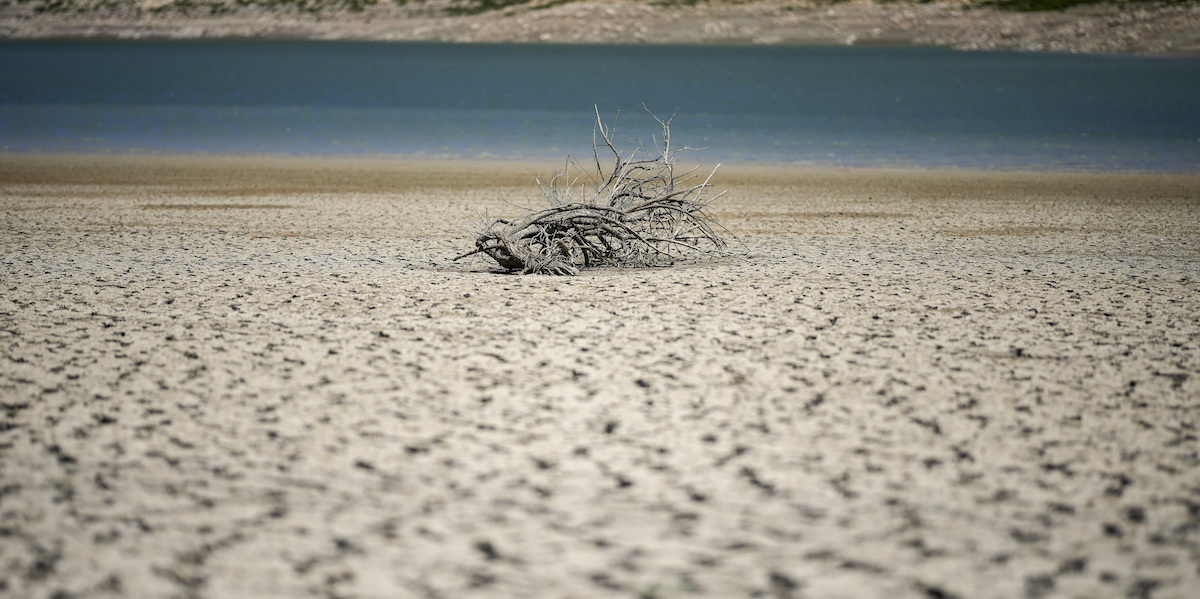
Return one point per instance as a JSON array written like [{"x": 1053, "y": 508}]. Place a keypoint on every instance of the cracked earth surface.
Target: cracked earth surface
[{"x": 267, "y": 378}]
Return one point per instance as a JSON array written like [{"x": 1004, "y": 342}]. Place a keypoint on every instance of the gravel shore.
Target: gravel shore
[
  {"x": 267, "y": 378},
  {"x": 1142, "y": 27}
]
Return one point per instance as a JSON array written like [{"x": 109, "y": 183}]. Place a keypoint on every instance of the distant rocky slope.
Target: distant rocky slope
[{"x": 1068, "y": 25}]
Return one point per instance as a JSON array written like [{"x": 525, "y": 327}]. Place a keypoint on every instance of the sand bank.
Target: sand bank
[{"x": 261, "y": 377}]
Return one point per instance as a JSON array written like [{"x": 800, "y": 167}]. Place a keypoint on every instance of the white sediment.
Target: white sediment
[{"x": 266, "y": 377}]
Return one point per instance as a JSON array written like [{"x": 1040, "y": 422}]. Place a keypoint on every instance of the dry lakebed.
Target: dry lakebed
[{"x": 266, "y": 377}]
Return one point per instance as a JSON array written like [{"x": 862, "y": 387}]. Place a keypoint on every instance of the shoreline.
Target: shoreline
[
  {"x": 545, "y": 164},
  {"x": 42, "y": 161},
  {"x": 1165, "y": 29}
]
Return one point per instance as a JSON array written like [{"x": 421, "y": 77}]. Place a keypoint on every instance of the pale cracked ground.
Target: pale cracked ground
[{"x": 267, "y": 378}]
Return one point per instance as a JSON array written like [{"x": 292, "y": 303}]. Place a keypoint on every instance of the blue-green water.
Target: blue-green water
[{"x": 851, "y": 106}]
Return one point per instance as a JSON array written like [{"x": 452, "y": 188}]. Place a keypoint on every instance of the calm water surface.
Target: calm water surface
[{"x": 850, "y": 106}]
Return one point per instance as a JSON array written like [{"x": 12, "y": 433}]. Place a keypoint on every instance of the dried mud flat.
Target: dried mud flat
[{"x": 255, "y": 378}]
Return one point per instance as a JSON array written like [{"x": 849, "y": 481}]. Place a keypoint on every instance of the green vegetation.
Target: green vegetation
[
  {"x": 474, "y": 7},
  {"x": 211, "y": 7},
  {"x": 1045, "y": 5},
  {"x": 670, "y": 3}
]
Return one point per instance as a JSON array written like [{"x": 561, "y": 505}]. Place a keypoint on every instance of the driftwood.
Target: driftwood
[{"x": 638, "y": 214}]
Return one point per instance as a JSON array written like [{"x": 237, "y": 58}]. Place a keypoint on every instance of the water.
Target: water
[{"x": 848, "y": 106}]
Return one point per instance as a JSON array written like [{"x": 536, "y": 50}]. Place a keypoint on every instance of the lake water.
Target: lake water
[{"x": 848, "y": 106}]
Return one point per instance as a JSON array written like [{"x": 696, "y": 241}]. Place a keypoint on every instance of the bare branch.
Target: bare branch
[{"x": 639, "y": 214}]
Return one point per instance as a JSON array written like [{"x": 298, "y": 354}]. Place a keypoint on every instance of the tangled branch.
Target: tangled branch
[{"x": 638, "y": 214}]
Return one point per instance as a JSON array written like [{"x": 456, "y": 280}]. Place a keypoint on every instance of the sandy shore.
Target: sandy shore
[{"x": 266, "y": 377}]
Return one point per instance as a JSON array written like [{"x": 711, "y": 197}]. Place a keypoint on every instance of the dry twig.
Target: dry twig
[{"x": 638, "y": 214}]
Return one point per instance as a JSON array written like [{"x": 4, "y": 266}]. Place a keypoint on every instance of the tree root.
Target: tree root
[{"x": 638, "y": 214}]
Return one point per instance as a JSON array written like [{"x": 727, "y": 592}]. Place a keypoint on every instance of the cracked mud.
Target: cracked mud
[{"x": 266, "y": 378}]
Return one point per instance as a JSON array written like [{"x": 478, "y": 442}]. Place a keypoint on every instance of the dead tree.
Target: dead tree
[{"x": 638, "y": 214}]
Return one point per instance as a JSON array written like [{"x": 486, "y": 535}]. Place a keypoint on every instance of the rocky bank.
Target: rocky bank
[{"x": 1140, "y": 27}]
